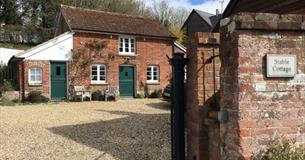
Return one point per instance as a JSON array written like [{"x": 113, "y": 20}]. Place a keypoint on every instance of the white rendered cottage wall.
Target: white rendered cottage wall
[
  {"x": 6, "y": 54},
  {"x": 56, "y": 49}
]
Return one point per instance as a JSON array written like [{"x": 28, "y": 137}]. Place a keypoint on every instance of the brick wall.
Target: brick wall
[
  {"x": 148, "y": 52},
  {"x": 25, "y": 87},
  {"x": 258, "y": 116},
  {"x": 202, "y": 127}
]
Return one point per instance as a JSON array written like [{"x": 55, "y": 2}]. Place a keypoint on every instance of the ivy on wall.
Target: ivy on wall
[{"x": 82, "y": 59}]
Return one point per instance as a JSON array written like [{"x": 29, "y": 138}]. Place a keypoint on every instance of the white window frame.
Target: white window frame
[
  {"x": 129, "y": 45},
  {"x": 152, "y": 80},
  {"x": 98, "y": 81},
  {"x": 35, "y": 82}
]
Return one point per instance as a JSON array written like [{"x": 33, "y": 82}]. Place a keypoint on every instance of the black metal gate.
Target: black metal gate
[{"x": 178, "y": 63}]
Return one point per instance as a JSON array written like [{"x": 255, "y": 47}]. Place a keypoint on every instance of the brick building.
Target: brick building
[
  {"x": 249, "y": 109},
  {"x": 132, "y": 53}
]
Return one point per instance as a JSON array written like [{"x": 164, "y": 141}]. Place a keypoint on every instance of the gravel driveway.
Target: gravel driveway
[{"x": 127, "y": 129}]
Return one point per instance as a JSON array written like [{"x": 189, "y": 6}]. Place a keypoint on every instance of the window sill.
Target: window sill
[
  {"x": 35, "y": 84},
  {"x": 127, "y": 54},
  {"x": 98, "y": 84},
  {"x": 153, "y": 83}
]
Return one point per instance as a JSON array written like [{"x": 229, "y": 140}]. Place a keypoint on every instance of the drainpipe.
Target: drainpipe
[{"x": 23, "y": 81}]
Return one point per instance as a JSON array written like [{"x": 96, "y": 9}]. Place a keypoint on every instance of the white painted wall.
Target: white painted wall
[
  {"x": 6, "y": 54},
  {"x": 56, "y": 49}
]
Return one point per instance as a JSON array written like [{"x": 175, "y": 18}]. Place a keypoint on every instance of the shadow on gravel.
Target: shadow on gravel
[
  {"x": 137, "y": 136},
  {"x": 161, "y": 105}
]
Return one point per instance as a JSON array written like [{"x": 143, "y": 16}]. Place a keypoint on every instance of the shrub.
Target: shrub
[
  {"x": 37, "y": 97},
  {"x": 16, "y": 101},
  {"x": 157, "y": 93},
  {"x": 140, "y": 96},
  {"x": 98, "y": 96},
  {"x": 4, "y": 102},
  {"x": 76, "y": 99},
  {"x": 281, "y": 150},
  {"x": 8, "y": 85},
  {"x": 146, "y": 91}
]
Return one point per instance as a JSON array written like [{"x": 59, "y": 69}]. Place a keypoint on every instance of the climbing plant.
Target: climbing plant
[{"x": 83, "y": 57}]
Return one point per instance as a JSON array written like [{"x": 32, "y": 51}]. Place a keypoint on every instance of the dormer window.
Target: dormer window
[{"x": 126, "y": 45}]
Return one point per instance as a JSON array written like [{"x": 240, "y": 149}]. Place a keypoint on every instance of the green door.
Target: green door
[
  {"x": 58, "y": 80},
  {"x": 127, "y": 81}
]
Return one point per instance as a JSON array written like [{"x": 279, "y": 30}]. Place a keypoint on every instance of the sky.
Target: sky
[{"x": 204, "y": 5}]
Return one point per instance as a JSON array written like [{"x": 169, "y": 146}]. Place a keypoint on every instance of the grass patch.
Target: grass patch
[
  {"x": 16, "y": 45},
  {"x": 4, "y": 102}
]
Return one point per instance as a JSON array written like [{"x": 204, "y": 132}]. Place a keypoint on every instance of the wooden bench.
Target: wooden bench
[
  {"x": 112, "y": 91},
  {"x": 80, "y": 91}
]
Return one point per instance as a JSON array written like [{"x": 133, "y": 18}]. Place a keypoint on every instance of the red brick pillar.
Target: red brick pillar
[
  {"x": 202, "y": 127},
  {"x": 261, "y": 109}
]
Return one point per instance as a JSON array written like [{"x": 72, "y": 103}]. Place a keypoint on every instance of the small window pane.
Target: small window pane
[
  {"x": 32, "y": 78},
  {"x": 33, "y": 72},
  {"x": 126, "y": 45},
  {"x": 121, "y": 45},
  {"x": 58, "y": 71},
  {"x": 132, "y": 48},
  {"x": 94, "y": 68},
  {"x": 102, "y": 68},
  {"x": 102, "y": 78},
  {"x": 38, "y": 78},
  {"x": 94, "y": 77}
]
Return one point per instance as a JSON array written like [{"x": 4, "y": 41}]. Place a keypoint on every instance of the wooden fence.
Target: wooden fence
[
  {"x": 7, "y": 73},
  {"x": 24, "y": 35}
]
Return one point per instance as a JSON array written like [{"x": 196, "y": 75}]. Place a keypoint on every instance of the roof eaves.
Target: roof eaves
[
  {"x": 119, "y": 33},
  {"x": 229, "y": 8},
  {"x": 65, "y": 17},
  {"x": 180, "y": 46}
]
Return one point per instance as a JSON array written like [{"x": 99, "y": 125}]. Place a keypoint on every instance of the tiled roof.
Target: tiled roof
[
  {"x": 211, "y": 19},
  {"x": 108, "y": 22}
]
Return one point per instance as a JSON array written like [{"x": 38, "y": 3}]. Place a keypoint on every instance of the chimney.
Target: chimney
[{"x": 217, "y": 12}]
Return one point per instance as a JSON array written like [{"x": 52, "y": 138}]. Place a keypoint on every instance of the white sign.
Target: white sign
[{"x": 281, "y": 65}]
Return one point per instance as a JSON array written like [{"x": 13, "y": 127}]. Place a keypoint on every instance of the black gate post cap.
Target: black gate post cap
[{"x": 178, "y": 58}]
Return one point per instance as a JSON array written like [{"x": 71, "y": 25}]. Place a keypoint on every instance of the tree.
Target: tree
[
  {"x": 162, "y": 12},
  {"x": 132, "y": 7},
  {"x": 170, "y": 17},
  {"x": 49, "y": 13},
  {"x": 9, "y": 12},
  {"x": 44, "y": 12}
]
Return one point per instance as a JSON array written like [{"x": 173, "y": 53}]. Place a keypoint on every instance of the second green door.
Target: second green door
[{"x": 126, "y": 81}]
